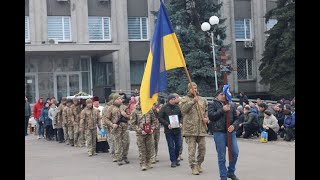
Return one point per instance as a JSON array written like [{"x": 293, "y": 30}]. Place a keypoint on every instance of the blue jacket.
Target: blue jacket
[
  {"x": 44, "y": 117},
  {"x": 289, "y": 121}
]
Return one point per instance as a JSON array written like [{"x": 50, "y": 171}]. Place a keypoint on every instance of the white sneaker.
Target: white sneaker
[{"x": 39, "y": 137}]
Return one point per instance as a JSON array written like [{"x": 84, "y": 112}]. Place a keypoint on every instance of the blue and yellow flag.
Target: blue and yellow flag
[{"x": 165, "y": 54}]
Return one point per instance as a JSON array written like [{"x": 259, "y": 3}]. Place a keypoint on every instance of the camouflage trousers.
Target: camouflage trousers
[
  {"x": 192, "y": 142},
  {"x": 71, "y": 135},
  {"x": 111, "y": 143},
  {"x": 65, "y": 133},
  {"x": 91, "y": 138},
  {"x": 156, "y": 138},
  {"x": 77, "y": 138},
  {"x": 181, "y": 148},
  {"x": 121, "y": 143},
  {"x": 145, "y": 145}
]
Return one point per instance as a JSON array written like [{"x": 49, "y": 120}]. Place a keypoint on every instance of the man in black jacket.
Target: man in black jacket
[
  {"x": 217, "y": 114},
  {"x": 171, "y": 118}
]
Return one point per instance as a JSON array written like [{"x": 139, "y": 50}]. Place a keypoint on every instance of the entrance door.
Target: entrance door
[
  {"x": 67, "y": 84},
  {"x": 31, "y": 87}
]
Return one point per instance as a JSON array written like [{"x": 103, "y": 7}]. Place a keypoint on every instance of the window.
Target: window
[
  {"x": 243, "y": 29},
  {"x": 26, "y": 29},
  {"x": 136, "y": 72},
  {"x": 137, "y": 28},
  {"x": 59, "y": 28},
  {"x": 103, "y": 73},
  {"x": 99, "y": 28},
  {"x": 245, "y": 69},
  {"x": 271, "y": 23}
]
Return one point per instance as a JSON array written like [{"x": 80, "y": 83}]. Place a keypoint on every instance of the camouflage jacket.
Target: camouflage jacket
[
  {"x": 76, "y": 110},
  {"x": 156, "y": 120},
  {"x": 58, "y": 116},
  {"x": 192, "y": 122},
  {"x": 137, "y": 120},
  {"x": 112, "y": 117},
  {"x": 68, "y": 117},
  {"x": 89, "y": 118}
]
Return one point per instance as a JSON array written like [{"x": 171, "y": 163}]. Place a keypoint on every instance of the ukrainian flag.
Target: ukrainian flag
[{"x": 165, "y": 54}]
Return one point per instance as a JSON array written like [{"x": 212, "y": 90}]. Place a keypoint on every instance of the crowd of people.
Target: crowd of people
[{"x": 76, "y": 122}]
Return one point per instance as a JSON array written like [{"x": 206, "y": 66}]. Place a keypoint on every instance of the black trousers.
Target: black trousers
[
  {"x": 26, "y": 121},
  {"x": 49, "y": 132},
  {"x": 272, "y": 136},
  {"x": 249, "y": 129},
  {"x": 60, "y": 134},
  {"x": 239, "y": 131},
  {"x": 55, "y": 133},
  {"x": 289, "y": 134}
]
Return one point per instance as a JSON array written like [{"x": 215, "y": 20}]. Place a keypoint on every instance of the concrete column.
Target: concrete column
[
  {"x": 258, "y": 11},
  {"x": 121, "y": 59},
  {"x": 153, "y": 6},
  {"x": 227, "y": 12},
  {"x": 38, "y": 21},
  {"x": 79, "y": 21}
]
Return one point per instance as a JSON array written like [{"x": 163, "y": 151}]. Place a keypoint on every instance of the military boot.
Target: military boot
[
  {"x": 195, "y": 169},
  {"x": 114, "y": 160},
  {"x": 126, "y": 160},
  {"x": 199, "y": 168},
  {"x": 143, "y": 167},
  {"x": 90, "y": 153},
  {"x": 94, "y": 152},
  {"x": 120, "y": 162},
  {"x": 149, "y": 165}
]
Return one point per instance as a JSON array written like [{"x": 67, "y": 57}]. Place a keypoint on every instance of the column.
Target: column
[
  {"x": 38, "y": 21},
  {"x": 79, "y": 21}
]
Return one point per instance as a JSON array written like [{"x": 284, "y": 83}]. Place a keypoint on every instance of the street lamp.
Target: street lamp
[{"x": 206, "y": 27}]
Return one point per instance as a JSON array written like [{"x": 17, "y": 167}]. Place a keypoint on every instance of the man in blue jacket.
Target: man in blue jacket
[{"x": 289, "y": 123}]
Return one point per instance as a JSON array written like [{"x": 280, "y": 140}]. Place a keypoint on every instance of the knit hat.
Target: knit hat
[
  {"x": 88, "y": 101},
  {"x": 171, "y": 96},
  {"x": 217, "y": 93}
]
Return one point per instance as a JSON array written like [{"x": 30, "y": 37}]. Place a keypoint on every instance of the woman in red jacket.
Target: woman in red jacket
[{"x": 36, "y": 114}]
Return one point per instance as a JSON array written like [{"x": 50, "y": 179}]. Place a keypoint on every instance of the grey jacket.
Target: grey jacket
[
  {"x": 51, "y": 115},
  {"x": 27, "y": 109}
]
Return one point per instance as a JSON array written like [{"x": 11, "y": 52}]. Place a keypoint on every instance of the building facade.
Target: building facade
[
  {"x": 96, "y": 46},
  {"x": 245, "y": 22}
]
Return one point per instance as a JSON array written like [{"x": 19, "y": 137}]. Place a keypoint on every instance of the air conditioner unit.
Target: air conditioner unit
[
  {"x": 103, "y": 0},
  {"x": 248, "y": 44},
  {"x": 62, "y": 0},
  {"x": 53, "y": 41}
]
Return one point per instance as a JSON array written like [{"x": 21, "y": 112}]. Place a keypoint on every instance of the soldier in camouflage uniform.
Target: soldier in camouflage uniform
[
  {"x": 68, "y": 120},
  {"x": 194, "y": 129},
  {"x": 124, "y": 108},
  {"x": 145, "y": 141},
  {"x": 156, "y": 133},
  {"x": 89, "y": 120},
  {"x": 76, "y": 110},
  {"x": 107, "y": 128},
  {"x": 59, "y": 119},
  {"x": 118, "y": 129}
]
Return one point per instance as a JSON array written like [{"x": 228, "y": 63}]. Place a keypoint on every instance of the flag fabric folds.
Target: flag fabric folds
[
  {"x": 165, "y": 54},
  {"x": 227, "y": 93}
]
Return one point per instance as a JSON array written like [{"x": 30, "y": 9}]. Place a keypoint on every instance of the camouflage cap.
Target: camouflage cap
[
  {"x": 64, "y": 99},
  {"x": 110, "y": 96},
  {"x": 88, "y": 101},
  {"x": 115, "y": 96},
  {"x": 189, "y": 85}
]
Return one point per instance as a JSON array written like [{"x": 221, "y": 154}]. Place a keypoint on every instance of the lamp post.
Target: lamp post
[{"x": 206, "y": 27}]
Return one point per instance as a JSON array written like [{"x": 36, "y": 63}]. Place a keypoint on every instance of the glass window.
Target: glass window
[
  {"x": 137, "y": 28},
  {"x": 64, "y": 64},
  {"x": 31, "y": 65},
  {"x": 103, "y": 74},
  {"x": 99, "y": 28},
  {"x": 271, "y": 23},
  {"x": 45, "y": 83},
  {"x": 243, "y": 29},
  {"x": 136, "y": 72},
  {"x": 26, "y": 29},
  {"x": 86, "y": 82},
  {"x": 45, "y": 64},
  {"x": 59, "y": 28},
  {"x": 85, "y": 63},
  {"x": 245, "y": 69}
]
